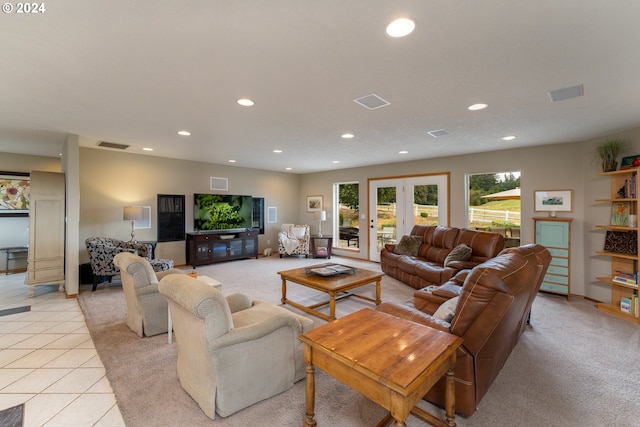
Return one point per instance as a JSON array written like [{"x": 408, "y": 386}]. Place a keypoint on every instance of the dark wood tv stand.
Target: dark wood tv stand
[{"x": 206, "y": 247}]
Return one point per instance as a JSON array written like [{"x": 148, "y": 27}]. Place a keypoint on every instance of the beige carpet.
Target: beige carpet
[{"x": 575, "y": 367}]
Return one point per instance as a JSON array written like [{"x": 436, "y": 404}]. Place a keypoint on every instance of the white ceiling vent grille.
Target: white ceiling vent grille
[
  {"x": 221, "y": 184},
  {"x": 438, "y": 133},
  {"x": 566, "y": 93},
  {"x": 112, "y": 145},
  {"x": 372, "y": 101}
]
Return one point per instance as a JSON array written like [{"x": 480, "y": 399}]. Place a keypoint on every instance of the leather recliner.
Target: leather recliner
[{"x": 494, "y": 303}]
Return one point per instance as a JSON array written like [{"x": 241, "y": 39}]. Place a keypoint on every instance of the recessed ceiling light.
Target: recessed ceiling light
[
  {"x": 232, "y": 161},
  {"x": 336, "y": 161},
  {"x": 476, "y": 107},
  {"x": 400, "y": 27},
  {"x": 403, "y": 152},
  {"x": 509, "y": 138},
  {"x": 347, "y": 135},
  {"x": 147, "y": 149},
  {"x": 246, "y": 102},
  {"x": 184, "y": 133},
  {"x": 288, "y": 169},
  {"x": 277, "y": 151}
]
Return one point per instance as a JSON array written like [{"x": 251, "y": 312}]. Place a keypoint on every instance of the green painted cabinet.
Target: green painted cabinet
[{"x": 555, "y": 234}]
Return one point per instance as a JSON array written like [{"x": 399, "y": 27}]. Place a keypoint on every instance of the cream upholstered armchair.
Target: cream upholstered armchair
[
  {"x": 293, "y": 240},
  {"x": 147, "y": 312},
  {"x": 232, "y": 352},
  {"x": 102, "y": 250}
]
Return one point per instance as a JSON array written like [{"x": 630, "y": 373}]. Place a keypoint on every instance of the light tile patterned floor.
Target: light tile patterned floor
[{"x": 48, "y": 360}]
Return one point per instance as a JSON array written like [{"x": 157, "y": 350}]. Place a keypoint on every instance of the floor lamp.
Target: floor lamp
[
  {"x": 133, "y": 214},
  {"x": 320, "y": 216}
]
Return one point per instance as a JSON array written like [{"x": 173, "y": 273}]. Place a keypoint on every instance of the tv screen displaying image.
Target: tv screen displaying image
[{"x": 222, "y": 212}]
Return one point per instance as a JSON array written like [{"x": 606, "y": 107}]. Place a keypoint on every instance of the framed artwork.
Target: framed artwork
[
  {"x": 553, "y": 201},
  {"x": 630, "y": 162},
  {"x": 314, "y": 203},
  {"x": 620, "y": 213},
  {"x": 15, "y": 193},
  {"x": 272, "y": 214},
  {"x": 145, "y": 222}
]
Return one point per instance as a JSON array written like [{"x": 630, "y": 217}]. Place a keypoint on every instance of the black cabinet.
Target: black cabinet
[
  {"x": 209, "y": 247},
  {"x": 170, "y": 217}
]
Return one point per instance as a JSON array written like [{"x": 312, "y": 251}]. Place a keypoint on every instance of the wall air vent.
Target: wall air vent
[
  {"x": 566, "y": 93},
  {"x": 221, "y": 184},
  {"x": 112, "y": 145},
  {"x": 438, "y": 133},
  {"x": 372, "y": 101}
]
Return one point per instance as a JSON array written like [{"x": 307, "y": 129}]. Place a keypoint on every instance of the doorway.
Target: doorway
[{"x": 397, "y": 204}]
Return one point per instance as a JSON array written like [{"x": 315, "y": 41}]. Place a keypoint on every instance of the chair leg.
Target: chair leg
[{"x": 96, "y": 280}]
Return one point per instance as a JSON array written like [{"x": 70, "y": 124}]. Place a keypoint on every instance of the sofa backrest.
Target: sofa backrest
[
  {"x": 484, "y": 245},
  {"x": 437, "y": 241}
]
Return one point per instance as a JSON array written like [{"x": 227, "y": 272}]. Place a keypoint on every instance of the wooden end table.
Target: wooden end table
[
  {"x": 336, "y": 287},
  {"x": 391, "y": 361}
]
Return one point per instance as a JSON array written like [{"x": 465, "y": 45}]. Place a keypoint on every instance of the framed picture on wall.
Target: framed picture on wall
[
  {"x": 314, "y": 203},
  {"x": 15, "y": 193},
  {"x": 553, "y": 201}
]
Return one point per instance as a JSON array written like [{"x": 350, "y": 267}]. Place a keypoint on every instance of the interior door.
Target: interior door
[{"x": 396, "y": 205}]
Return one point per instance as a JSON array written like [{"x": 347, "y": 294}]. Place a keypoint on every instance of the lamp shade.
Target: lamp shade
[
  {"x": 320, "y": 215},
  {"x": 132, "y": 213}
]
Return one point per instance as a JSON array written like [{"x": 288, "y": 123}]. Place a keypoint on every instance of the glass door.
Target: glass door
[{"x": 396, "y": 205}]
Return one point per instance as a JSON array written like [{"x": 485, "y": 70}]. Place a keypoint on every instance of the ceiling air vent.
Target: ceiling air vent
[
  {"x": 112, "y": 145},
  {"x": 372, "y": 101},
  {"x": 216, "y": 183},
  {"x": 566, "y": 93},
  {"x": 438, "y": 133}
]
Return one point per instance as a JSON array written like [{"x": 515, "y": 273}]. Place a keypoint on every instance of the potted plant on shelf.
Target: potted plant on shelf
[{"x": 608, "y": 152}]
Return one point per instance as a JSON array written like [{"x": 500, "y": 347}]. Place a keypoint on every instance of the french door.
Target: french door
[{"x": 397, "y": 204}]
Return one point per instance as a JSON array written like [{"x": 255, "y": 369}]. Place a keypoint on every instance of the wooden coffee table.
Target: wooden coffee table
[
  {"x": 337, "y": 287},
  {"x": 392, "y": 361}
]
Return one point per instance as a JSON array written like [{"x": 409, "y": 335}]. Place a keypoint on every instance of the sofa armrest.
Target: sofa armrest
[
  {"x": 448, "y": 290},
  {"x": 462, "y": 265},
  {"x": 390, "y": 247},
  {"x": 410, "y": 313}
]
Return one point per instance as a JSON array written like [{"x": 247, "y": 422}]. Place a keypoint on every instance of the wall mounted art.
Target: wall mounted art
[
  {"x": 314, "y": 203},
  {"x": 15, "y": 193},
  {"x": 553, "y": 201}
]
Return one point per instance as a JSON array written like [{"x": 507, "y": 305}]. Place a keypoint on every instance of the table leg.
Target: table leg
[
  {"x": 310, "y": 391},
  {"x": 284, "y": 291},
  {"x": 378, "y": 300},
  {"x": 332, "y": 306},
  {"x": 450, "y": 393}
]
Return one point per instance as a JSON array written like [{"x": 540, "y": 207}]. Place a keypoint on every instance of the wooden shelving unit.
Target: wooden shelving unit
[{"x": 627, "y": 262}]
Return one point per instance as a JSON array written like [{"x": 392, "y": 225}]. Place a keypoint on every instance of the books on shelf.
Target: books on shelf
[
  {"x": 625, "y": 278},
  {"x": 630, "y": 305},
  {"x": 629, "y": 189}
]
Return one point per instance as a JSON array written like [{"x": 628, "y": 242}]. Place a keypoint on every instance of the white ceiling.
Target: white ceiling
[{"x": 136, "y": 72}]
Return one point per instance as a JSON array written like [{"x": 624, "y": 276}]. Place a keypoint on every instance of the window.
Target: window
[{"x": 494, "y": 204}]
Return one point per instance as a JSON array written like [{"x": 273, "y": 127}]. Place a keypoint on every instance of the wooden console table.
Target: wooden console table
[
  {"x": 14, "y": 253},
  {"x": 392, "y": 361}
]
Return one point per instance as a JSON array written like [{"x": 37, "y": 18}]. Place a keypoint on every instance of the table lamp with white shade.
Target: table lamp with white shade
[
  {"x": 320, "y": 216},
  {"x": 133, "y": 214}
]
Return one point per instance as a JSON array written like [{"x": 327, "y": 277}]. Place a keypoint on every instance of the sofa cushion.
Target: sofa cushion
[
  {"x": 447, "y": 310},
  {"x": 461, "y": 252},
  {"x": 408, "y": 245}
]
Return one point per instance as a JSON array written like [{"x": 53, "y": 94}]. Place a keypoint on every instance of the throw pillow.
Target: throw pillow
[
  {"x": 461, "y": 252},
  {"x": 447, "y": 310},
  {"x": 408, "y": 245}
]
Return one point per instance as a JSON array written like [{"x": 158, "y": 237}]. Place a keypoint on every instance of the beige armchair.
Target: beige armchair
[
  {"x": 146, "y": 308},
  {"x": 294, "y": 240},
  {"x": 232, "y": 352}
]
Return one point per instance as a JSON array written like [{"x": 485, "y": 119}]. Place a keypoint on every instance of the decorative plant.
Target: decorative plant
[{"x": 608, "y": 152}]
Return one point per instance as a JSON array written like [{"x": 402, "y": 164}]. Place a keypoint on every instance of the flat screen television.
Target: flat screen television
[{"x": 222, "y": 212}]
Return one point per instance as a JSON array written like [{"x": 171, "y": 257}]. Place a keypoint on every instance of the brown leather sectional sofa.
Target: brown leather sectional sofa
[
  {"x": 427, "y": 268},
  {"x": 494, "y": 303}
]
